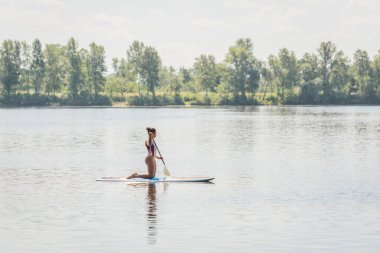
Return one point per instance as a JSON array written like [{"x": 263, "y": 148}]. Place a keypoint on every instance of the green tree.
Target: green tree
[
  {"x": 376, "y": 73},
  {"x": 151, "y": 65},
  {"x": 266, "y": 80},
  {"x": 25, "y": 83},
  {"x": 362, "y": 75},
  {"x": 10, "y": 66},
  {"x": 116, "y": 85},
  {"x": 285, "y": 71},
  {"x": 224, "y": 88},
  {"x": 186, "y": 75},
  {"x": 123, "y": 69},
  {"x": 135, "y": 58},
  {"x": 96, "y": 68},
  {"x": 339, "y": 74},
  {"x": 243, "y": 69},
  {"x": 37, "y": 67},
  {"x": 309, "y": 68},
  {"x": 74, "y": 68},
  {"x": 167, "y": 75},
  {"x": 177, "y": 85},
  {"x": 85, "y": 86},
  {"x": 55, "y": 68},
  {"x": 115, "y": 65},
  {"x": 310, "y": 78},
  {"x": 205, "y": 72},
  {"x": 326, "y": 53}
]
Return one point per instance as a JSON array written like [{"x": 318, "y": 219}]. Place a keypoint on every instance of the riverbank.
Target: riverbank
[
  {"x": 121, "y": 106},
  {"x": 168, "y": 100}
]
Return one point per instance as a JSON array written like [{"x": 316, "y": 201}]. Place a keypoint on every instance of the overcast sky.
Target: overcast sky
[{"x": 182, "y": 30}]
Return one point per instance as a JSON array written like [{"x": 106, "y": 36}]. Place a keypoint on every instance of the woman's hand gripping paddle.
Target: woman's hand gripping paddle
[{"x": 166, "y": 171}]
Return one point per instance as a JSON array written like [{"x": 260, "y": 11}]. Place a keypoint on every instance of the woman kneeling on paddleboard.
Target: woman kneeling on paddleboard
[{"x": 150, "y": 160}]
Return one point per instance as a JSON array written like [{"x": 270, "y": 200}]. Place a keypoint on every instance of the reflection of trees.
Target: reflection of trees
[{"x": 151, "y": 214}]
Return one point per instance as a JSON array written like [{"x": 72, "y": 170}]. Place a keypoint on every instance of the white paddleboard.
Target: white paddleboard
[{"x": 157, "y": 179}]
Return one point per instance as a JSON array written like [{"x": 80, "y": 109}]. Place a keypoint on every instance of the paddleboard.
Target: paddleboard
[{"x": 157, "y": 179}]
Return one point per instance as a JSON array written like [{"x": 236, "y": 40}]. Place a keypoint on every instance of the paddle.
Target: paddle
[{"x": 166, "y": 171}]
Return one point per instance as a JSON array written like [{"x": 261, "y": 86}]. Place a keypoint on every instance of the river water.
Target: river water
[{"x": 288, "y": 179}]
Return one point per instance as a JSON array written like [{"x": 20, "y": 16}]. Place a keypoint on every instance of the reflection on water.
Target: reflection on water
[
  {"x": 151, "y": 209},
  {"x": 151, "y": 214}
]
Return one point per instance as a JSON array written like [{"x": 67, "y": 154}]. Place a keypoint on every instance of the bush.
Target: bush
[
  {"x": 291, "y": 99},
  {"x": 159, "y": 100},
  {"x": 178, "y": 99},
  {"x": 117, "y": 99},
  {"x": 338, "y": 98},
  {"x": 101, "y": 100},
  {"x": 28, "y": 100},
  {"x": 271, "y": 100},
  {"x": 86, "y": 99},
  {"x": 309, "y": 94},
  {"x": 240, "y": 100}
]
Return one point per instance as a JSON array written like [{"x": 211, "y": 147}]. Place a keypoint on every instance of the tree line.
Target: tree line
[
  {"x": 33, "y": 74},
  {"x": 37, "y": 75}
]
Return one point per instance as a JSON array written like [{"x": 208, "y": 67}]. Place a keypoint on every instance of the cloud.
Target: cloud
[
  {"x": 361, "y": 13},
  {"x": 93, "y": 26},
  {"x": 102, "y": 20},
  {"x": 272, "y": 24},
  {"x": 239, "y": 4},
  {"x": 12, "y": 17},
  {"x": 109, "y": 27},
  {"x": 244, "y": 4},
  {"x": 177, "y": 53},
  {"x": 156, "y": 12},
  {"x": 48, "y": 3},
  {"x": 207, "y": 23},
  {"x": 274, "y": 14},
  {"x": 368, "y": 5}
]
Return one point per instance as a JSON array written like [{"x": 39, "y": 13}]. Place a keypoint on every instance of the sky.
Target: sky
[{"x": 181, "y": 30}]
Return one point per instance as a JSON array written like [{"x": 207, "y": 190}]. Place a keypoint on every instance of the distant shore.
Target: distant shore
[
  {"x": 118, "y": 105},
  {"x": 163, "y": 99}
]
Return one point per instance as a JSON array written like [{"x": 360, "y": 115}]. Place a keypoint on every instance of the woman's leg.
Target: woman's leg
[
  {"x": 132, "y": 176},
  {"x": 151, "y": 164},
  {"x": 151, "y": 167}
]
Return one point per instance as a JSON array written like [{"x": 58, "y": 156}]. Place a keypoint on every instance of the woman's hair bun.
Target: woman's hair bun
[{"x": 151, "y": 129}]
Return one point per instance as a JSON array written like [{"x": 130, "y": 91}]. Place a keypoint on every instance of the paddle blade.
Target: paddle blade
[{"x": 166, "y": 172}]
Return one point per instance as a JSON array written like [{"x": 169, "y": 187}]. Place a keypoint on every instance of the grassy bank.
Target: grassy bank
[{"x": 165, "y": 99}]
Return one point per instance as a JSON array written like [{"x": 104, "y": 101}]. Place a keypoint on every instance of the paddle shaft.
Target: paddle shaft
[{"x": 159, "y": 151}]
